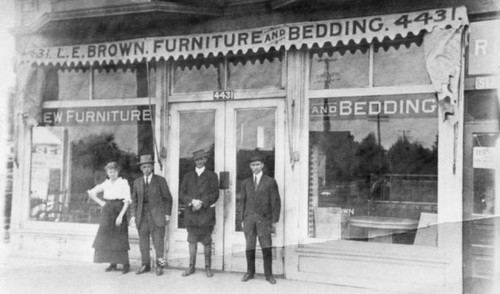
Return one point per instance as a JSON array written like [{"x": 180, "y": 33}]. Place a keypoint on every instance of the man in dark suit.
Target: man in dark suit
[
  {"x": 260, "y": 210},
  {"x": 151, "y": 209},
  {"x": 199, "y": 191}
]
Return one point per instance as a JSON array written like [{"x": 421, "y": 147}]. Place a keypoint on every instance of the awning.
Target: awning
[
  {"x": 444, "y": 56},
  {"x": 444, "y": 42},
  {"x": 317, "y": 33}
]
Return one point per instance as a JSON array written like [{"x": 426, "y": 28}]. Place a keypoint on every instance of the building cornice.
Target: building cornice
[{"x": 166, "y": 8}]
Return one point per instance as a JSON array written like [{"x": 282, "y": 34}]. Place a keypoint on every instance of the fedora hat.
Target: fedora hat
[
  {"x": 199, "y": 154},
  {"x": 145, "y": 159},
  {"x": 257, "y": 157}
]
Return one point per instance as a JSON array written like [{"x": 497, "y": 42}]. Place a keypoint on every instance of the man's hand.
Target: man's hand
[
  {"x": 167, "y": 218},
  {"x": 196, "y": 204},
  {"x": 118, "y": 221},
  {"x": 273, "y": 230},
  {"x": 132, "y": 221}
]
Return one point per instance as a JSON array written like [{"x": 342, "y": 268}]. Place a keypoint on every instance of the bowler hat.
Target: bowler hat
[
  {"x": 199, "y": 154},
  {"x": 257, "y": 157},
  {"x": 146, "y": 159}
]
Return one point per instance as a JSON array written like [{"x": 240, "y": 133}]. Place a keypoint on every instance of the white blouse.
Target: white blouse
[{"x": 119, "y": 189}]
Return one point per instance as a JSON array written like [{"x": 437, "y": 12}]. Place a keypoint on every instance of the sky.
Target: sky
[{"x": 7, "y": 81}]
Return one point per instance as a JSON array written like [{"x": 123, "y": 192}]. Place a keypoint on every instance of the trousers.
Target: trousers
[
  {"x": 148, "y": 228},
  {"x": 265, "y": 242}
]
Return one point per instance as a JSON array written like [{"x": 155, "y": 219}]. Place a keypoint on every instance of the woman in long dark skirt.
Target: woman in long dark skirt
[{"x": 111, "y": 242}]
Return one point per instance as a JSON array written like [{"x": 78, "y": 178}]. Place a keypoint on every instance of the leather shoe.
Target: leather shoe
[
  {"x": 247, "y": 276},
  {"x": 208, "y": 272},
  {"x": 271, "y": 280},
  {"x": 159, "y": 270},
  {"x": 143, "y": 269},
  {"x": 189, "y": 271},
  {"x": 111, "y": 267},
  {"x": 126, "y": 268}
]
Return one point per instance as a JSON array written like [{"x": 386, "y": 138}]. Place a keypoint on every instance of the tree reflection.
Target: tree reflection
[
  {"x": 367, "y": 165},
  {"x": 88, "y": 157},
  {"x": 412, "y": 158}
]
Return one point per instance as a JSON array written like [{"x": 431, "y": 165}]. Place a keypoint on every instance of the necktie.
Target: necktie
[
  {"x": 146, "y": 182},
  {"x": 255, "y": 182}
]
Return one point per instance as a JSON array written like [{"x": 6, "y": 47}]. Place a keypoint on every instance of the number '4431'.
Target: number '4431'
[
  {"x": 404, "y": 20},
  {"x": 223, "y": 95}
]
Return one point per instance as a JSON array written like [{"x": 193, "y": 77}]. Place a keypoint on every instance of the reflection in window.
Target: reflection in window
[
  {"x": 339, "y": 67},
  {"x": 255, "y": 71},
  {"x": 197, "y": 75},
  {"x": 373, "y": 168},
  {"x": 255, "y": 131},
  {"x": 485, "y": 165},
  {"x": 197, "y": 131},
  {"x": 400, "y": 62},
  {"x": 69, "y": 160}
]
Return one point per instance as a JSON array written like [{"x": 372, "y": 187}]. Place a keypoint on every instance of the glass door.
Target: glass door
[
  {"x": 194, "y": 126},
  {"x": 481, "y": 207},
  {"x": 252, "y": 125},
  {"x": 230, "y": 131}
]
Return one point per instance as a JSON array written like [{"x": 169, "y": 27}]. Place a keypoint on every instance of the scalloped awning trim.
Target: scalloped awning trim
[{"x": 317, "y": 33}]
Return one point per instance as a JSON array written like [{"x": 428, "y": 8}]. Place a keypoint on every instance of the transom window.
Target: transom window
[
  {"x": 235, "y": 72},
  {"x": 100, "y": 82}
]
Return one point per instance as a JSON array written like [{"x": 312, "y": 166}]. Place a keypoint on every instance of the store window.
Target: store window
[
  {"x": 71, "y": 147},
  {"x": 109, "y": 82},
  {"x": 485, "y": 175},
  {"x": 373, "y": 168}
]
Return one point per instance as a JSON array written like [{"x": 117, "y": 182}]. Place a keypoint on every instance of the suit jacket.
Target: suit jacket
[
  {"x": 204, "y": 188},
  {"x": 159, "y": 199},
  {"x": 260, "y": 207}
]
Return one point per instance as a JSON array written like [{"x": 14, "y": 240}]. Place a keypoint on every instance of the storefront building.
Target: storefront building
[{"x": 379, "y": 123}]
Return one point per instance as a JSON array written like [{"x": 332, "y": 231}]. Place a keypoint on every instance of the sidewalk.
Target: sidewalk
[{"x": 23, "y": 275}]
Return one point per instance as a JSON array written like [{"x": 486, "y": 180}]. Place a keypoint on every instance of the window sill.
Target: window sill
[{"x": 99, "y": 102}]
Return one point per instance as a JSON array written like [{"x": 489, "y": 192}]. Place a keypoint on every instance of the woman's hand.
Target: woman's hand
[
  {"x": 119, "y": 221},
  {"x": 95, "y": 198}
]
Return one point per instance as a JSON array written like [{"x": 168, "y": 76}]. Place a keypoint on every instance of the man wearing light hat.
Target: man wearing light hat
[
  {"x": 199, "y": 191},
  {"x": 260, "y": 210},
  {"x": 151, "y": 208}
]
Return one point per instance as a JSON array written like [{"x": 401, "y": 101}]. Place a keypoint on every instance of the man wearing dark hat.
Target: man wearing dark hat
[
  {"x": 260, "y": 210},
  {"x": 199, "y": 191},
  {"x": 151, "y": 209}
]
